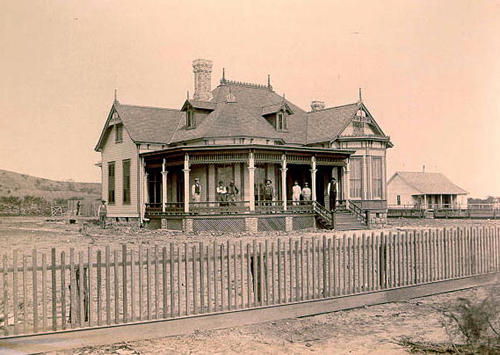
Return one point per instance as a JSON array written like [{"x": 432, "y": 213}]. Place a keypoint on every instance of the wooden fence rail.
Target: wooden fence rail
[{"x": 100, "y": 287}]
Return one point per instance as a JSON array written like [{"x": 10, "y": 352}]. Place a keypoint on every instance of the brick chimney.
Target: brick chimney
[
  {"x": 202, "y": 69},
  {"x": 317, "y": 105}
]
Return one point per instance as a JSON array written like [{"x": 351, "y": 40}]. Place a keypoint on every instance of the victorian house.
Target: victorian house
[{"x": 242, "y": 134}]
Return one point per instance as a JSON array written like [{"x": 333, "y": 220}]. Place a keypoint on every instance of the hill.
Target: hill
[{"x": 19, "y": 185}]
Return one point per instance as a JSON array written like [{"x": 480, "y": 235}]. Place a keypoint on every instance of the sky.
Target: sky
[{"x": 429, "y": 72}]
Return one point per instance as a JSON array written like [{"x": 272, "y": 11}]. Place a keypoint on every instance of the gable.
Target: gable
[{"x": 362, "y": 124}]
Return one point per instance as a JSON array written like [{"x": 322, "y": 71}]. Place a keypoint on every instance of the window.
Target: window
[
  {"x": 281, "y": 124},
  {"x": 119, "y": 133},
  {"x": 111, "y": 182},
  {"x": 377, "y": 177},
  {"x": 399, "y": 200},
  {"x": 356, "y": 178},
  {"x": 190, "y": 119},
  {"x": 126, "y": 182}
]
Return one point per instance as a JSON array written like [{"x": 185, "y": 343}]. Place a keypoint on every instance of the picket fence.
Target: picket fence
[{"x": 100, "y": 287}]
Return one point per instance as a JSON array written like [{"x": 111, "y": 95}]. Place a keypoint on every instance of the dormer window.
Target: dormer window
[
  {"x": 281, "y": 124},
  {"x": 190, "y": 119},
  {"x": 118, "y": 133}
]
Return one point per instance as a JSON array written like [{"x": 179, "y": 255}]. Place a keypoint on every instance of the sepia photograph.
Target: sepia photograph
[{"x": 249, "y": 177}]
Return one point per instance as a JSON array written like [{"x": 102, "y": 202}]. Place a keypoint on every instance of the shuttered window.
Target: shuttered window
[
  {"x": 111, "y": 182},
  {"x": 126, "y": 182}
]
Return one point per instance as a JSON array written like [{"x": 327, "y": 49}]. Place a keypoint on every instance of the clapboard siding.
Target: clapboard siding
[{"x": 118, "y": 152}]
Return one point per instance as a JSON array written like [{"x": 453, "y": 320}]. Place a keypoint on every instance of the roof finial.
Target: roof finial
[
  {"x": 224, "y": 74},
  {"x": 268, "y": 80},
  {"x": 116, "y": 100},
  {"x": 360, "y": 98},
  {"x": 187, "y": 95}
]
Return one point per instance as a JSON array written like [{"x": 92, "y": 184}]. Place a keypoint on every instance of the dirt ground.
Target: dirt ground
[
  {"x": 369, "y": 330},
  {"x": 26, "y": 233}
]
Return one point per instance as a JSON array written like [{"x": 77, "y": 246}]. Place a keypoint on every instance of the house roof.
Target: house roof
[
  {"x": 430, "y": 183},
  {"x": 144, "y": 124},
  {"x": 324, "y": 125},
  {"x": 236, "y": 110}
]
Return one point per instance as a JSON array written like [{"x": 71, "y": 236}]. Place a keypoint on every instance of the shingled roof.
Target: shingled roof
[
  {"x": 145, "y": 124},
  {"x": 236, "y": 110},
  {"x": 430, "y": 183}
]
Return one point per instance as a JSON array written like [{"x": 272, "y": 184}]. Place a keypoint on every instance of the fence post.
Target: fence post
[{"x": 5, "y": 297}]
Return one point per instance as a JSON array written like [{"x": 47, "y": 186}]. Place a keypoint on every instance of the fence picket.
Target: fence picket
[
  {"x": 34, "y": 286},
  {"x": 186, "y": 277},
  {"x": 15, "y": 289},
  {"x": 44, "y": 292},
  {"x": 157, "y": 282},
  {"x": 99, "y": 285},
  {"x": 235, "y": 274},
  {"x": 242, "y": 263},
  {"x": 229, "y": 295},
  {"x": 124, "y": 284},
  {"x": 261, "y": 275},
  {"x": 179, "y": 280},
  {"x": 266, "y": 269},
  {"x": 279, "y": 270},
  {"x": 117, "y": 286},
  {"x": 89, "y": 286},
  {"x": 290, "y": 259},
  {"x": 132, "y": 286},
  {"x": 216, "y": 296},
  {"x": 164, "y": 282},
  {"x": 54, "y": 288},
  {"x": 5, "y": 286},
  {"x": 108, "y": 284},
  {"x": 249, "y": 287},
  {"x": 222, "y": 291},
  {"x": 25, "y": 294},
  {"x": 63, "y": 291},
  {"x": 172, "y": 282},
  {"x": 273, "y": 279},
  {"x": 313, "y": 270},
  {"x": 193, "y": 273},
  {"x": 148, "y": 283},
  {"x": 201, "y": 260}
]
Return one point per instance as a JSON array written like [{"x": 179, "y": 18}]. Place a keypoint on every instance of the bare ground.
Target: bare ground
[{"x": 369, "y": 330}]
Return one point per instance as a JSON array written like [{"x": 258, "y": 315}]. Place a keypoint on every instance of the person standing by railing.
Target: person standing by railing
[
  {"x": 232, "y": 191},
  {"x": 296, "y": 191},
  {"x": 221, "y": 193},
  {"x": 268, "y": 193},
  {"x": 306, "y": 192},
  {"x": 332, "y": 194},
  {"x": 196, "y": 190}
]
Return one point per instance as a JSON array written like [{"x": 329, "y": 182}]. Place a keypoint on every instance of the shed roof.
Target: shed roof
[{"x": 430, "y": 183}]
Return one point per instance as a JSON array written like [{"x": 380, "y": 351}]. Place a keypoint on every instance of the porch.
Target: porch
[{"x": 181, "y": 187}]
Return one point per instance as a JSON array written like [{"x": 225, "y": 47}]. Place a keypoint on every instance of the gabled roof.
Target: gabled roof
[
  {"x": 325, "y": 125},
  {"x": 144, "y": 124},
  {"x": 429, "y": 183},
  {"x": 267, "y": 110},
  {"x": 203, "y": 105}
]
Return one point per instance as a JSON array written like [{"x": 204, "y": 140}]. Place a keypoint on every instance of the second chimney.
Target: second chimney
[
  {"x": 202, "y": 69},
  {"x": 317, "y": 105}
]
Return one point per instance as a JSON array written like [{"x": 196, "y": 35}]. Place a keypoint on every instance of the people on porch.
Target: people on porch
[
  {"x": 306, "y": 192},
  {"x": 332, "y": 193},
  {"x": 196, "y": 190},
  {"x": 268, "y": 192},
  {"x": 296, "y": 192},
  {"x": 232, "y": 191}
]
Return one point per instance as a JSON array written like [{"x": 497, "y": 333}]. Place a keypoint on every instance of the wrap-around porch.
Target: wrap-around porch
[{"x": 169, "y": 178}]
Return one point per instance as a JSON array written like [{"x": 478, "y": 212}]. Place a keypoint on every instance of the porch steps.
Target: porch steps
[{"x": 345, "y": 220}]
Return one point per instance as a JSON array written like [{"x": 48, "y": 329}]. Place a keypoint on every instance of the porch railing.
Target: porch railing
[
  {"x": 359, "y": 212},
  {"x": 299, "y": 206},
  {"x": 267, "y": 206},
  {"x": 219, "y": 207}
]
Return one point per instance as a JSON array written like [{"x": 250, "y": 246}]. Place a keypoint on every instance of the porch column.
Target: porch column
[
  {"x": 164, "y": 175},
  {"x": 143, "y": 189},
  {"x": 313, "y": 178},
  {"x": 346, "y": 182},
  {"x": 211, "y": 183},
  {"x": 186, "y": 182},
  {"x": 251, "y": 180},
  {"x": 440, "y": 201},
  {"x": 425, "y": 201},
  {"x": 369, "y": 182},
  {"x": 364, "y": 179},
  {"x": 384, "y": 177},
  {"x": 283, "y": 180}
]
